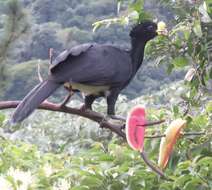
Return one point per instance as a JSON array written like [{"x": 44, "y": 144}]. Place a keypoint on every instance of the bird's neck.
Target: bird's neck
[{"x": 137, "y": 53}]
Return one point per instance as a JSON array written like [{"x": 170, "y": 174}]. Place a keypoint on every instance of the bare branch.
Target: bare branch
[
  {"x": 193, "y": 133},
  {"x": 154, "y": 136},
  {"x": 94, "y": 116},
  {"x": 153, "y": 167},
  {"x": 183, "y": 134},
  {"x": 39, "y": 73},
  {"x": 152, "y": 123}
]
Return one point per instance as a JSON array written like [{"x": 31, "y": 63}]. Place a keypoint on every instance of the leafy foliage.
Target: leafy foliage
[
  {"x": 188, "y": 47},
  {"x": 107, "y": 164}
]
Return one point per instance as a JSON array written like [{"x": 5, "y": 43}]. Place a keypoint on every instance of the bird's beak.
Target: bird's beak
[{"x": 162, "y": 29}]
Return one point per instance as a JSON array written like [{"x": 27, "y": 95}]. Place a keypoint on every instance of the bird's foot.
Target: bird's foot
[
  {"x": 85, "y": 108},
  {"x": 115, "y": 119}
]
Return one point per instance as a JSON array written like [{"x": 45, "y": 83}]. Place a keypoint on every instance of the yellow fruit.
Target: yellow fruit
[{"x": 161, "y": 26}]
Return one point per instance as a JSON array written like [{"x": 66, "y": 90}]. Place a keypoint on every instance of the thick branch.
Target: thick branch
[
  {"x": 152, "y": 166},
  {"x": 94, "y": 116}
]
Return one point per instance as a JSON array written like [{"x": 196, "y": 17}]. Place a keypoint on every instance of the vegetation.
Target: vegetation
[
  {"x": 72, "y": 152},
  {"x": 78, "y": 155}
]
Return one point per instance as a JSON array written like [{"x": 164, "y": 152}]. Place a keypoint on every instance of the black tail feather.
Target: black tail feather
[{"x": 33, "y": 99}]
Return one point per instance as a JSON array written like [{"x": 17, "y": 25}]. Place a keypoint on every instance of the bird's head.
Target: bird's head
[{"x": 147, "y": 30}]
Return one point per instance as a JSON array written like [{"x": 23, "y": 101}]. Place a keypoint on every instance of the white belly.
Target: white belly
[{"x": 86, "y": 89}]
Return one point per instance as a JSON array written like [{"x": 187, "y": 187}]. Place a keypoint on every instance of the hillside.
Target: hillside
[{"x": 63, "y": 24}]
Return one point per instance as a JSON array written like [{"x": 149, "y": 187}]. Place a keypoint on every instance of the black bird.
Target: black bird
[{"x": 96, "y": 70}]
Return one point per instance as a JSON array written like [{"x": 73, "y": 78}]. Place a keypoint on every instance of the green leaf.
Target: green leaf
[
  {"x": 205, "y": 161},
  {"x": 138, "y": 5},
  {"x": 180, "y": 181},
  {"x": 197, "y": 28},
  {"x": 200, "y": 120},
  {"x": 209, "y": 6},
  {"x": 2, "y": 118},
  {"x": 175, "y": 110},
  {"x": 166, "y": 186},
  {"x": 80, "y": 188},
  {"x": 192, "y": 184},
  {"x": 180, "y": 62},
  {"x": 62, "y": 173},
  {"x": 210, "y": 73},
  {"x": 209, "y": 107},
  {"x": 116, "y": 185},
  {"x": 92, "y": 181},
  {"x": 187, "y": 34},
  {"x": 184, "y": 165},
  {"x": 170, "y": 68}
]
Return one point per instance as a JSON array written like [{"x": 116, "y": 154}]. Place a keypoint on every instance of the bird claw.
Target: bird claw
[
  {"x": 119, "y": 120},
  {"x": 84, "y": 108},
  {"x": 117, "y": 117}
]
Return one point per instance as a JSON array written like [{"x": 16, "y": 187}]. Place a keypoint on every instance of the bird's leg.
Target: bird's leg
[
  {"x": 89, "y": 99},
  {"x": 67, "y": 98},
  {"x": 111, "y": 101}
]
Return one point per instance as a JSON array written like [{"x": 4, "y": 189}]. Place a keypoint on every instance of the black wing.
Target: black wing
[
  {"x": 74, "y": 51},
  {"x": 94, "y": 65}
]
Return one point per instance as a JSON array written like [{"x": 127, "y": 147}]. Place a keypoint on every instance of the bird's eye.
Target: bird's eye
[{"x": 150, "y": 27}]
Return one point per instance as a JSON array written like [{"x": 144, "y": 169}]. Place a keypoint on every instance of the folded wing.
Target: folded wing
[{"x": 92, "y": 64}]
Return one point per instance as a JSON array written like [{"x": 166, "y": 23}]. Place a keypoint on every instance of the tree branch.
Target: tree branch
[
  {"x": 153, "y": 167},
  {"x": 152, "y": 123},
  {"x": 183, "y": 134},
  {"x": 94, "y": 116}
]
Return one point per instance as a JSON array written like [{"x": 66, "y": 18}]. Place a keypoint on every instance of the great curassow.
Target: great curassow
[{"x": 93, "y": 69}]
